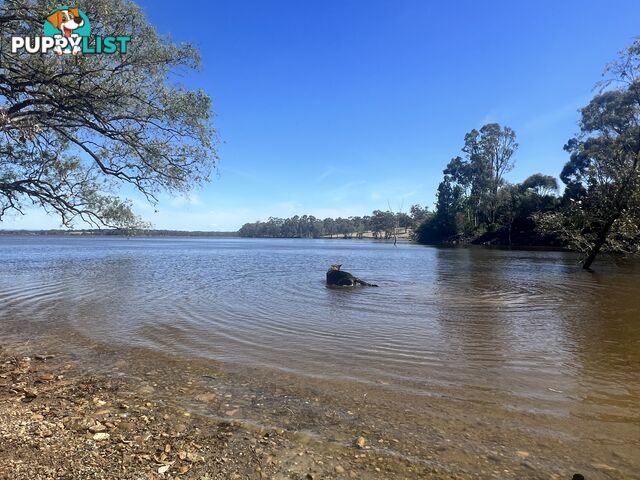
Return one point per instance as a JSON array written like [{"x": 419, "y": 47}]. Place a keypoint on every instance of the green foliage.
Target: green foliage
[
  {"x": 380, "y": 223},
  {"x": 76, "y": 127},
  {"x": 543, "y": 185},
  {"x": 473, "y": 199},
  {"x": 601, "y": 204}
]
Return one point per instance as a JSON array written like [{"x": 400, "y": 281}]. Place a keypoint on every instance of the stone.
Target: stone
[
  {"x": 339, "y": 469},
  {"x": 360, "y": 442},
  {"x": 98, "y": 427},
  {"x": 101, "y": 436},
  {"x": 125, "y": 426},
  {"x": 194, "y": 457},
  {"x": 147, "y": 389},
  {"x": 206, "y": 397},
  {"x": 29, "y": 395},
  {"x": 180, "y": 428},
  {"x": 78, "y": 424}
]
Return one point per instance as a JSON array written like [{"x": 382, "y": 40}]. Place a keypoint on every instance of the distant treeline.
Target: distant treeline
[
  {"x": 380, "y": 224},
  {"x": 117, "y": 232}
]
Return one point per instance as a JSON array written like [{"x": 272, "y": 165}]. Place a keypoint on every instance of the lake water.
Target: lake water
[{"x": 524, "y": 339}]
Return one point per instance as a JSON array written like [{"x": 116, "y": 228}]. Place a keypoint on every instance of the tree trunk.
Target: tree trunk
[{"x": 602, "y": 237}]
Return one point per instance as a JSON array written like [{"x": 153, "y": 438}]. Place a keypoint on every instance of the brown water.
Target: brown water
[{"x": 461, "y": 357}]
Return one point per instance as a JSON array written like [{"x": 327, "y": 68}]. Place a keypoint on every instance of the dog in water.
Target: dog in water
[{"x": 338, "y": 278}]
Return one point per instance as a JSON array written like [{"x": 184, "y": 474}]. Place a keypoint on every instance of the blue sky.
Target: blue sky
[{"x": 340, "y": 107}]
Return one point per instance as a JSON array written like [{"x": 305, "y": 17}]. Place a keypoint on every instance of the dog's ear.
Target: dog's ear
[
  {"x": 56, "y": 19},
  {"x": 74, "y": 12}
]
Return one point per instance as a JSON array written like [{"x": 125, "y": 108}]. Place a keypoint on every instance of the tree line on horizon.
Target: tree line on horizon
[{"x": 381, "y": 225}]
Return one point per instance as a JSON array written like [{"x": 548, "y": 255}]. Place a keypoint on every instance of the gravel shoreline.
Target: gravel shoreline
[
  {"x": 74, "y": 410},
  {"x": 60, "y": 422}
]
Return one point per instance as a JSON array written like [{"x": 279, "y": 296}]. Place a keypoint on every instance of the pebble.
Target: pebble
[
  {"x": 339, "y": 469},
  {"x": 97, "y": 428},
  {"x": 29, "y": 395},
  {"x": 194, "y": 457},
  {"x": 101, "y": 436},
  {"x": 77, "y": 424},
  {"x": 180, "y": 428},
  {"x": 528, "y": 465},
  {"x": 125, "y": 426},
  {"x": 206, "y": 397},
  {"x": 147, "y": 389},
  {"x": 360, "y": 442}
]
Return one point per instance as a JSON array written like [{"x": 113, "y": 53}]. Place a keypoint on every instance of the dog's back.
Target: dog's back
[{"x": 338, "y": 278}]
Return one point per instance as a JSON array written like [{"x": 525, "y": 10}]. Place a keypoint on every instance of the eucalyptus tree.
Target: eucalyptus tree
[
  {"x": 496, "y": 146},
  {"x": 602, "y": 198},
  {"x": 480, "y": 173},
  {"x": 418, "y": 213},
  {"x": 75, "y": 128},
  {"x": 541, "y": 184}
]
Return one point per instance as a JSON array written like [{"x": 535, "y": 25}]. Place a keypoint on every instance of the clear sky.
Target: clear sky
[{"x": 340, "y": 107}]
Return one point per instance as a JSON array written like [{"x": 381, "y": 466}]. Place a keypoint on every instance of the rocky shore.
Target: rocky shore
[
  {"x": 90, "y": 412},
  {"x": 59, "y": 422}
]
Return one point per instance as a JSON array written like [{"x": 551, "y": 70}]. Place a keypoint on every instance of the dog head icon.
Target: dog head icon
[{"x": 66, "y": 20}]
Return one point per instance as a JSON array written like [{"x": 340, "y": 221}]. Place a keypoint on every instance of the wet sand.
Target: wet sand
[{"x": 167, "y": 417}]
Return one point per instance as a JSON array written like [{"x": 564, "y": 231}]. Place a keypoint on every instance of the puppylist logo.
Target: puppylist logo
[{"x": 67, "y": 30}]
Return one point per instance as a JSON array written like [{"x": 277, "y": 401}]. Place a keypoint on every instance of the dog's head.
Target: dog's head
[
  {"x": 335, "y": 266},
  {"x": 66, "y": 20}
]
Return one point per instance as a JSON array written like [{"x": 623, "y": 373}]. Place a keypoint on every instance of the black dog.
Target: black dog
[{"x": 337, "y": 278}]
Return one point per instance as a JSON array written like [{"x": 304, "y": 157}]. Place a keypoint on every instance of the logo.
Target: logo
[{"x": 67, "y": 30}]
